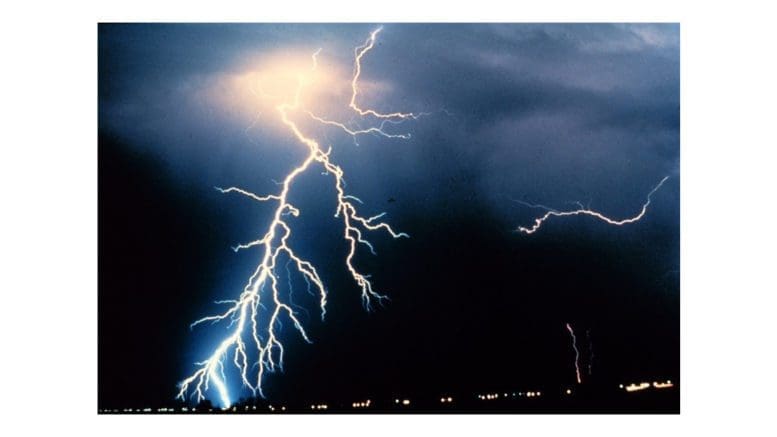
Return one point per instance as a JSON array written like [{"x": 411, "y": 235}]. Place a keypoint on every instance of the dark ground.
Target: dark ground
[{"x": 598, "y": 400}]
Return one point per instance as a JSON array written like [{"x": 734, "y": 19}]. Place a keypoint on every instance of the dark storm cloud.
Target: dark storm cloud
[
  {"x": 600, "y": 72},
  {"x": 545, "y": 113},
  {"x": 553, "y": 113}
]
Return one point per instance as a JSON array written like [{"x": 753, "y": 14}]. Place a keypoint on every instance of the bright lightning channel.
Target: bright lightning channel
[
  {"x": 577, "y": 353},
  {"x": 244, "y": 313},
  {"x": 359, "y": 52},
  {"x": 390, "y": 118},
  {"x": 585, "y": 211}
]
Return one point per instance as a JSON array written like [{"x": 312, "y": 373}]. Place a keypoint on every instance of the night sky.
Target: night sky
[{"x": 548, "y": 114}]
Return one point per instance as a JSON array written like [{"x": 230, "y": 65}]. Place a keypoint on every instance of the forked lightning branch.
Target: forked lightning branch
[{"x": 257, "y": 312}]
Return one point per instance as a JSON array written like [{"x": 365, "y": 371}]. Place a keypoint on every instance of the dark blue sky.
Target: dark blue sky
[
  {"x": 554, "y": 113},
  {"x": 547, "y": 114}
]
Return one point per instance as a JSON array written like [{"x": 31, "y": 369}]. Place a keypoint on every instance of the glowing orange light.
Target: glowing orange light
[{"x": 637, "y": 387}]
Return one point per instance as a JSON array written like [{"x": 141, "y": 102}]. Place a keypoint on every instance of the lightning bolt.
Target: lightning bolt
[
  {"x": 577, "y": 353},
  {"x": 586, "y": 211},
  {"x": 385, "y": 119},
  {"x": 248, "y": 328},
  {"x": 359, "y": 53}
]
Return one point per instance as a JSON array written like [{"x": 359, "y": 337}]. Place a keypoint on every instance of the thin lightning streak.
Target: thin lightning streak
[
  {"x": 577, "y": 353},
  {"x": 585, "y": 211},
  {"x": 391, "y": 118},
  {"x": 353, "y": 132},
  {"x": 359, "y": 53},
  {"x": 291, "y": 290},
  {"x": 247, "y": 193},
  {"x": 244, "y": 312},
  {"x": 536, "y": 206}
]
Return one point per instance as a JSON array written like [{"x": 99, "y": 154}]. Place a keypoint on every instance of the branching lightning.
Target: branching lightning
[
  {"x": 359, "y": 52},
  {"x": 248, "y": 329},
  {"x": 385, "y": 119},
  {"x": 577, "y": 353},
  {"x": 586, "y": 211}
]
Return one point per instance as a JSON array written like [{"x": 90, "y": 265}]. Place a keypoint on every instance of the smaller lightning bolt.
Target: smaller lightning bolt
[
  {"x": 586, "y": 211},
  {"x": 577, "y": 353}
]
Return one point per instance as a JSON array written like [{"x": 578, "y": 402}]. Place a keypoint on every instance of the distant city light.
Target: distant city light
[
  {"x": 634, "y": 387},
  {"x": 362, "y": 404},
  {"x": 666, "y": 384},
  {"x": 406, "y": 402}
]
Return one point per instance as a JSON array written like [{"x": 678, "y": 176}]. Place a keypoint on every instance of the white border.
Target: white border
[{"x": 48, "y": 170}]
